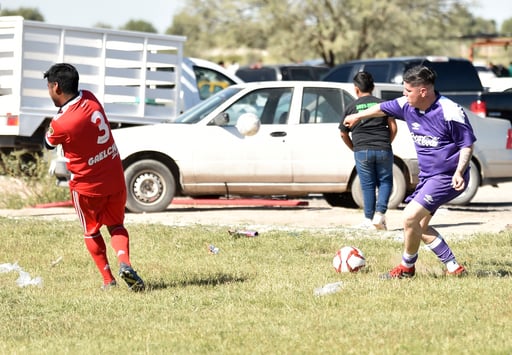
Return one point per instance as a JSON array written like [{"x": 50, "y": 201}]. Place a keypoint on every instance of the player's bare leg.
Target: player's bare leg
[
  {"x": 417, "y": 229},
  {"x": 416, "y": 219}
]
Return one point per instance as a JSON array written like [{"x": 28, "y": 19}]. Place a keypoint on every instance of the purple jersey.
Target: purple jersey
[{"x": 439, "y": 133}]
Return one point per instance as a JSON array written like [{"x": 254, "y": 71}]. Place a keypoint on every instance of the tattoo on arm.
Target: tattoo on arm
[{"x": 464, "y": 158}]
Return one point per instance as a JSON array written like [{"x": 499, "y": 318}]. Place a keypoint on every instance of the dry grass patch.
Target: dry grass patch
[{"x": 255, "y": 296}]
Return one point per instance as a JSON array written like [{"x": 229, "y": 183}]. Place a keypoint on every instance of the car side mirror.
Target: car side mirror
[{"x": 221, "y": 119}]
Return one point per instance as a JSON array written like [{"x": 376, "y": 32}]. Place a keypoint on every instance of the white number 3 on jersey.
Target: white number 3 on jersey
[{"x": 104, "y": 135}]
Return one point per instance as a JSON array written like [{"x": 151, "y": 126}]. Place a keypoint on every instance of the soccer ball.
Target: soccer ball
[
  {"x": 348, "y": 259},
  {"x": 248, "y": 124}
]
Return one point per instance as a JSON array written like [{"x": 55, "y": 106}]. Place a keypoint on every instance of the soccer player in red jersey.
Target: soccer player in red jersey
[{"x": 97, "y": 184}]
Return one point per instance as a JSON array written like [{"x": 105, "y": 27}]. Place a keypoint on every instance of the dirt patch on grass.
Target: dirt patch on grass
[{"x": 489, "y": 212}]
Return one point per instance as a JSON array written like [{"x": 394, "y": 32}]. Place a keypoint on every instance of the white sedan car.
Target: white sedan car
[
  {"x": 296, "y": 150},
  {"x": 280, "y": 139}
]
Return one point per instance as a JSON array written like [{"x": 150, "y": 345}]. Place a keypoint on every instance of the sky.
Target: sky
[
  {"x": 86, "y": 13},
  {"x": 116, "y": 13}
]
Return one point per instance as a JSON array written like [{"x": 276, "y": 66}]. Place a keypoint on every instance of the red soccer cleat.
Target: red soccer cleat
[
  {"x": 400, "y": 272},
  {"x": 459, "y": 272}
]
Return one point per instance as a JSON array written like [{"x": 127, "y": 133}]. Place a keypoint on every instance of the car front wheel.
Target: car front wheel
[
  {"x": 150, "y": 186},
  {"x": 397, "y": 194}
]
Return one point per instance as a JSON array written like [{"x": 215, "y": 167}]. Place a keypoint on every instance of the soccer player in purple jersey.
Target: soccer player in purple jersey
[{"x": 444, "y": 139}]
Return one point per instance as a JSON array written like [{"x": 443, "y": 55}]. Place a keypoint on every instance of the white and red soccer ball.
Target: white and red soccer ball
[{"x": 348, "y": 259}]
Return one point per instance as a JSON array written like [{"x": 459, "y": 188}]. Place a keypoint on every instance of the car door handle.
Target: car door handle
[{"x": 278, "y": 134}]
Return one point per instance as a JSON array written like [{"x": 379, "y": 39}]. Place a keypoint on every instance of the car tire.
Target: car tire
[
  {"x": 206, "y": 197},
  {"x": 340, "y": 200},
  {"x": 150, "y": 186},
  {"x": 397, "y": 194},
  {"x": 470, "y": 192}
]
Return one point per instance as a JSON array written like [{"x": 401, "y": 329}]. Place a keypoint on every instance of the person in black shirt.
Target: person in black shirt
[{"x": 371, "y": 142}]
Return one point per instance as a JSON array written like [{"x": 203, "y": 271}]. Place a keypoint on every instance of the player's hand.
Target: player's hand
[
  {"x": 458, "y": 181},
  {"x": 350, "y": 120}
]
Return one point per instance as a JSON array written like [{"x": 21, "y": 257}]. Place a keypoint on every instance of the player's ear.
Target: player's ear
[{"x": 57, "y": 88}]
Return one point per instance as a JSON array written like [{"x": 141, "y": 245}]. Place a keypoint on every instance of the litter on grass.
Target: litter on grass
[
  {"x": 56, "y": 261},
  {"x": 328, "y": 289},
  {"x": 243, "y": 233},
  {"x": 212, "y": 249},
  {"x": 24, "y": 278}
]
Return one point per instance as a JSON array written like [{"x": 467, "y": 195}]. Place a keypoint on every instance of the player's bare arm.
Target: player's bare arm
[
  {"x": 392, "y": 128},
  {"x": 464, "y": 159},
  {"x": 371, "y": 112},
  {"x": 347, "y": 140}
]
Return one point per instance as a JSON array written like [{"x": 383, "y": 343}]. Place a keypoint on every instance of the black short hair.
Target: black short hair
[
  {"x": 420, "y": 75},
  {"x": 65, "y": 75},
  {"x": 363, "y": 80}
]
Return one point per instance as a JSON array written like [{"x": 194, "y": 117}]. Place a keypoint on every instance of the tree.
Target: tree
[
  {"x": 334, "y": 30},
  {"x": 341, "y": 30},
  {"x": 463, "y": 24},
  {"x": 26, "y": 12},
  {"x": 190, "y": 26},
  {"x": 227, "y": 25},
  {"x": 139, "y": 25},
  {"x": 506, "y": 28},
  {"x": 102, "y": 25}
]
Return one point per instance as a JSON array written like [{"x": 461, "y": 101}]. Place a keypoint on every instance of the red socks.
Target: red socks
[
  {"x": 97, "y": 248},
  {"x": 120, "y": 243}
]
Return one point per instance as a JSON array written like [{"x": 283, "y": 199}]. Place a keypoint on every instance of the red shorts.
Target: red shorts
[{"x": 97, "y": 211}]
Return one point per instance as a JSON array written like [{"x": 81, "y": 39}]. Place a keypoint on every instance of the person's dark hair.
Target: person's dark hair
[
  {"x": 65, "y": 75},
  {"x": 420, "y": 75},
  {"x": 364, "y": 81}
]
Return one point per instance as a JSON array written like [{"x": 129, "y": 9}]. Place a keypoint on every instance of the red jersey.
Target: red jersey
[{"x": 83, "y": 130}]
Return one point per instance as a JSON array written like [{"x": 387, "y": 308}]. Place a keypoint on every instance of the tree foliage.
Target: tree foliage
[
  {"x": 506, "y": 28},
  {"x": 334, "y": 30},
  {"x": 27, "y": 13},
  {"x": 139, "y": 25},
  {"x": 102, "y": 25}
]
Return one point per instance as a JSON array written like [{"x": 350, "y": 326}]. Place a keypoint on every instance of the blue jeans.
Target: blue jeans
[{"x": 375, "y": 170}]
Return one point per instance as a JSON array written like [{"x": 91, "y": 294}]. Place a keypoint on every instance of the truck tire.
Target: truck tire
[
  {"x": 150, "y": 186},
  {"x": 397, "y": 194},
  {"x": 470, "y": 192}
]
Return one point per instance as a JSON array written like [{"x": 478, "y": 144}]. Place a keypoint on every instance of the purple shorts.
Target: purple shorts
[{"x": 434, "y": 191}]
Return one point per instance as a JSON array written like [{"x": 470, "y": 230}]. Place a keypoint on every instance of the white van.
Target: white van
[{"x": 141, "y": 78}]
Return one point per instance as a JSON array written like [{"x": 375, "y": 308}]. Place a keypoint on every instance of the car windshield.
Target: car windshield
[{"x": 201, "y": 110}]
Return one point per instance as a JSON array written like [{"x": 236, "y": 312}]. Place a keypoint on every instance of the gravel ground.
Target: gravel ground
[{"x": 490, "y": 211}]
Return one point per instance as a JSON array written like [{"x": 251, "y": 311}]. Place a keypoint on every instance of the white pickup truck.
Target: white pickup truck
[{"x": 141, "y": 78}]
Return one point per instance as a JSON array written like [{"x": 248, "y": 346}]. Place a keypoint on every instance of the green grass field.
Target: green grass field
[{"x": 254, "y": 297}]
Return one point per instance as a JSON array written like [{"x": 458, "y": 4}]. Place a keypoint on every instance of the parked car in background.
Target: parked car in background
[
  {"x": 296, "y": 151},
  {"x": 485, "y": 74},
  {"x": 281, "y": 72},
  {"x": 209, "y": 77},
  {"x": 491, "y": 162},
  {"x": 457, "y": 79},
  {"x": 491, "y": 81}
]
